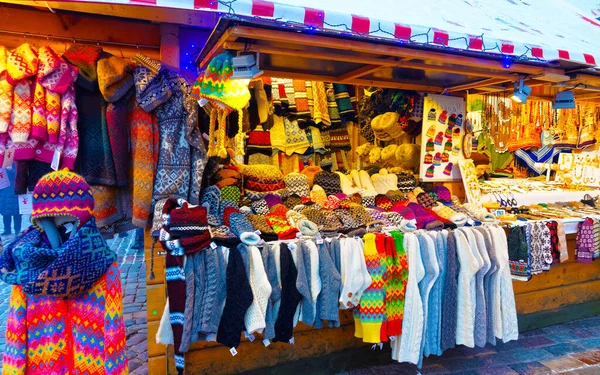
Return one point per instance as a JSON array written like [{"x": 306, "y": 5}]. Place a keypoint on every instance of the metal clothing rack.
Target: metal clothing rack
[{"x": 78, "y": 40}]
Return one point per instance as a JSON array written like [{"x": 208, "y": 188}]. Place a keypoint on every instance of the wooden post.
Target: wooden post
[
  {"x": 169, "y": 45},
  {"x": 156, "y": 298}
]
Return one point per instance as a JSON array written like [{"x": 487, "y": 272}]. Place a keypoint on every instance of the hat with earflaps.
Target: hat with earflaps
[{"x": 226, "y": 94}]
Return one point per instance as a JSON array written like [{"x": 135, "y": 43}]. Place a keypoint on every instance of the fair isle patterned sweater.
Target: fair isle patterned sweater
[{"x": 84, "y": 335}]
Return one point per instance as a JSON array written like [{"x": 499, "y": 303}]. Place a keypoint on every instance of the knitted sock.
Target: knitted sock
[
  {"x": 448, "y": 213},
  {"x": 352, "y": 279},
  {"x": 290, "y": 297},
  {"x": 396, "y": 284},
  {"x": 238, "y": 300},
  {"x": 372, "y": 308},
  {"x": 424, "y": 219}
]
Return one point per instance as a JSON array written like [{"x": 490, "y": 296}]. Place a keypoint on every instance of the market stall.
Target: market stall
[{"x": 322, "y": 97}]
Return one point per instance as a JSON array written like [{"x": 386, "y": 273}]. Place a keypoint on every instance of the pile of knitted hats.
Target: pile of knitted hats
[{"x": 320, "y": 202}]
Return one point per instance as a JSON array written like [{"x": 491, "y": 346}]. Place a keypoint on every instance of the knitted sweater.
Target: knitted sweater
[
  {"x": 465, "y": 313},
  {"x": 432, "y": 272},
  {"x": 434, "y": 316},
  {"x": 254, "y": 319},
  {"x": 481, "y": 321},
  {"x": 406, "y": 348},
  {"x": 449, "y": 299},
  {"x": 331, "y": 281},
  {"x": 86, "y": 334},
  {"x": 268, "y": 257},
  {"x": 396, "y": 284},
  {"x": 492, "y": 295}
]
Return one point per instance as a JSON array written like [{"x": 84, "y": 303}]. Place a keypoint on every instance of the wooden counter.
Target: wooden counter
[{"x": 568, "y": 291}]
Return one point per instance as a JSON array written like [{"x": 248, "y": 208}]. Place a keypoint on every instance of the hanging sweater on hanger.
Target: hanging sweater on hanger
[
  {"x": 449, "y": 300},
  {"x": 510, "y": 325},
  {"x": 434, "y": 316},
  {"x": 406, "y": 348},
  {"x": 492, "y": 293},
  {"x": 331, "y": 281},
  {"x": 465, "y": 314},
  {"x": 481, "y": 322},
  {"x": 432, "y": 272},
  {"x": 290, "y": 297}
]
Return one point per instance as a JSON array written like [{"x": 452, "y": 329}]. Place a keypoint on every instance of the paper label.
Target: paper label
[
  {"x": 251, "y": 337},
  {"x": 292, "y": 341},
  {"x": 9, "y": 156},
  {"x": 258, "y": 233},
  {"x": 266, "y": 342},
  {"x": 4, "y": 181},
  {"x": 211, "y": 337},
  {"x": 329, "y": 239},
  {"x": 319, "y": 241},
  {"x": 25, "y": 204},
  {"x": 213, "y": 245},
  {"x": 69, "y": 227},
  {"x": 392, "y": 338},
  {"x": 233, "y": 352},
  {"x": 292, "y": 246},
  {"x": 55, "y": 160}
]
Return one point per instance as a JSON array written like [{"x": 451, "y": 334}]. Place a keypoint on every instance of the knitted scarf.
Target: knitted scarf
[{"x": 65, "y": 272}]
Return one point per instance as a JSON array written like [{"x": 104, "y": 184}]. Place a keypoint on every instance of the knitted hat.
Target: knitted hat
[
  {"x": 445, "y": 157},
  {"x": 428, "y": 158},
  {"x": 331, "y": 203},
  {"x": 439, "y": 138},
  {"x": 456, "y": 133},
  {"x": 448, "y": 133},
  {"x": 85, "y": 57},
  {"x": 262, "y": 177},
  {"x": 452, "y": 119},
  {"x": 386, "y": 127},
  {"x": 223, "y": 236},
  {"x": 430, "y": 146},
  {"x": 437, "y": 159},
  {"x": 329, "y": 181},
  {"x": 184, "y": 219},
  {"x": 431, "y": 131},
  {"x": 459, "y": 120},
  {"x": 456, "y": 149},
  {"x": 272, "y": 200},
  {"x": 448, "y": 169},
  {"x": 430, "y": 171},
  {"x": 448, "y": 146},
  {"x": 384, "y": 181},
  {"x": 431, "y": 114},
  {"x": 278, "y": 221},
  {"x": 360, "y": 214},
  {"x": 292, "y": 201},
  {"x": 383, "y": 202},
  {"x": 114, "y": 77},
  {"x": 22, "y": 62},
  {"x": 389, "y": 153},
  {"x": 318, "y": 195},
  {"x": 211, "y": 199},
  {"x": 443, "y": 117},
  {"x": 379, "y": 216},
  {"x": 310, "y": 172},
  {"x": 62, "y": 193},
  {"x": 426, "y": 200},
  {"x": 348, "y": 221},
  {"x": 297, "y": 183}
]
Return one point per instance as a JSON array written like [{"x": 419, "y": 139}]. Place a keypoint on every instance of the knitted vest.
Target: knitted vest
[{"x": 86, "y": 334}]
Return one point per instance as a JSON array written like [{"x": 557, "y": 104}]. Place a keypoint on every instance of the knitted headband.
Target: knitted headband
[{"x": 62, "y": 194}]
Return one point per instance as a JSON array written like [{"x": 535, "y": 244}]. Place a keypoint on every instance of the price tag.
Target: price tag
[
  {"x": 392, "y": 338},
  {"x": 266, "y": 342},
  {"x": 213, "y": 245},
  {"x": 55, "y": 160},
  {"x": 258, "y": 233},
  {"x": 9, "y": 156},
  {"x": 69, "y": 227},
  {"x": 4, "y": 181},
  {"x": 211, "y": 337},
  {"x": 292, "y": 341},
  {"x": 25, "y": 204},
  {"x": 319, "y": 241},
  {"x": 233, "y": 352},
  {"x": 329, "y": 239},
  {"x": 251, "y": 337},
  {"x": 292, "y": 246}
]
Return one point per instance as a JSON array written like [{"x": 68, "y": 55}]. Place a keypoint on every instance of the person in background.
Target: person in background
[{"x": 9, "y": 206}]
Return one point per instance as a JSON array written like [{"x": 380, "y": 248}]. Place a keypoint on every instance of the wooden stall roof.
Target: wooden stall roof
[{"x": 289, "y": 51}]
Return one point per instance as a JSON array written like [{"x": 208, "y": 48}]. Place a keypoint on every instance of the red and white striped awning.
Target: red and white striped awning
[{"x": 541, "y": 30}]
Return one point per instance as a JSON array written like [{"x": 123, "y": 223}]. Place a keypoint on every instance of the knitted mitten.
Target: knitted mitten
[
  {"x": 348, "y": 221},
  {"x": 360, "y": 214},
  {"x": 292, "y": 201},
  {"x": 426, "y": 200},
  {"x": 231, "y": 193},
  {"x": 480, "y": 213},
  {"x": 348, "y": 186},
  {"x": 395, "y": 196},
  {"x": 211, "y": 199},
  {"x": 382, "y": 201},
  {"x": 368, "y": 201},
  {"x": 272, "y": 200},
  {"x": 331, "y": 203},
  {"x": 241, "y": 227},
  {"x": 260, "y": 207},
  {"x": 366, "y": 184},
  {"x": 277, "y": 220},
  {"x": 294, "y": 218}
]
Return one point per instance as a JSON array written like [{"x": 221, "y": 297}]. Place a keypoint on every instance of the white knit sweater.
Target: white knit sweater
[{"x": 254, "y": 319}]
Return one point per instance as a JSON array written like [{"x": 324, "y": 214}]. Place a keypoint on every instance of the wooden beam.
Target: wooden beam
[
  {"x": 473, "y": 85},
  {"x": 362, "y": 71},
  {"x": 458, "y": 70},
  {"x": 206, "y": 20},
  {"x": 403, "y": 85},
  {"x": 213, "y": 51},
  {"x": 592, "y": 95},
  {"x": 383, "y": 49},
  {"x": 295, "y": 52},
  {"x": 169, "y": 45}
]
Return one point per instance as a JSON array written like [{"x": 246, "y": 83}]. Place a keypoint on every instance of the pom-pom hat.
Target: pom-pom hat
[{"x": 62, "y": 194}]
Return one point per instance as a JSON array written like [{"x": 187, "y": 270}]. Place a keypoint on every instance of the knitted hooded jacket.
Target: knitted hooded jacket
[
  {"x": 163, "y": 91},
  {"x": 94, "y": 162}
]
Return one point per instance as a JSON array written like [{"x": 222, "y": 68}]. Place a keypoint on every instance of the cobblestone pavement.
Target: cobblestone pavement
[
  {"x": 569, "y": 348},
  {"x": 133, "y": 276}
]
